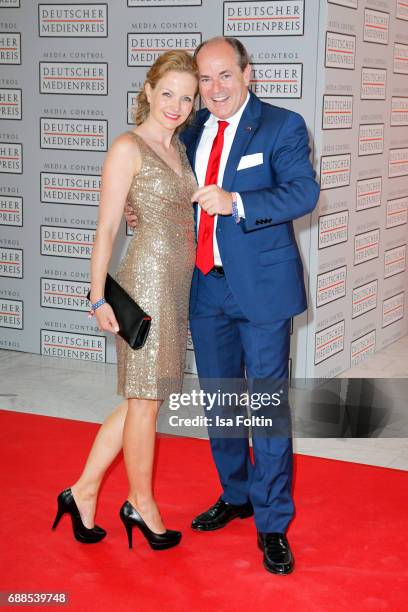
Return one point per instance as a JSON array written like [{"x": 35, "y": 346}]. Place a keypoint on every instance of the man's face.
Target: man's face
[{"x": 223, "y": 85}]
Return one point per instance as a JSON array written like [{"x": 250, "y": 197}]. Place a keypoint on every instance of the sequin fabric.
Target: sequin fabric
[{"x": 156, "y": 271}]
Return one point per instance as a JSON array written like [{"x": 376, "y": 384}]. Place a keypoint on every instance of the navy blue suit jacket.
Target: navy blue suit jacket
[{"x": 260, "y": 256}]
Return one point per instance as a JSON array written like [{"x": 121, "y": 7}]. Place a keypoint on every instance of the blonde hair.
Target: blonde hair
[{"x": 178, "y": 61}]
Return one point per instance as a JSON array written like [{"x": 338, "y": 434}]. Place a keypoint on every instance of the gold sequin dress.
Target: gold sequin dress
[{"x": 156, "y": 271}]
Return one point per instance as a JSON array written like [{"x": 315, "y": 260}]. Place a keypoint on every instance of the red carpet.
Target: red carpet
[{"x": 349, "y": 536}]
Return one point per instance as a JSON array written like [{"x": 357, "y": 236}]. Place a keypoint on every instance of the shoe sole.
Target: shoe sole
[
  {"x": 85, "y": 541},
  {"x": 277, "y": 572},
  {"x": 203, "y": 528},
  {"x": 165, "y": 546}
]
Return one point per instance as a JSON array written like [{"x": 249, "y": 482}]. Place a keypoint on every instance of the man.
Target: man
[{"x": 252, "y": 164}]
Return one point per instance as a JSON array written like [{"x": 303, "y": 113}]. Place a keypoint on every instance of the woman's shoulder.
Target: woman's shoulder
[
  {"x": 124, "y": 152},
  {"x": 125, "y": 144},
  {"x": 126, "y": 139}
]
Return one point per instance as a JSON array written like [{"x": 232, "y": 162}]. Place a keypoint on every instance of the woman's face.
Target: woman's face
[{"x": 171, "y": 101}]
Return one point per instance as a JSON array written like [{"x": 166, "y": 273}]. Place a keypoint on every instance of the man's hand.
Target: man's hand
[
  {"x": 130, "y": 216},
  {"x": 214, "y": 200}
]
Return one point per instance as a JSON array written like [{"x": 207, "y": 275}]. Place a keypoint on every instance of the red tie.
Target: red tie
[{"x": 205, "y": 250}]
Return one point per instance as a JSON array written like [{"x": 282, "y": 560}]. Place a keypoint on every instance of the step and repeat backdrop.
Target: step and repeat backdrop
[
  {"x": 69, "y": 76},
  {"x": 357, "y": 267}
]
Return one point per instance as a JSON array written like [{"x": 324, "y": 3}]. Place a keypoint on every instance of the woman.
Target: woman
[{"x": 148, "y": 169}]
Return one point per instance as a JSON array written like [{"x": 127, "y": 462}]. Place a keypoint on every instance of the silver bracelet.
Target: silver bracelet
[{"x": 235, "y": 207}]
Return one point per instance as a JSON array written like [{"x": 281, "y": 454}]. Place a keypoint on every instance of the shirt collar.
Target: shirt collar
[{"x": 233, "y": 121}]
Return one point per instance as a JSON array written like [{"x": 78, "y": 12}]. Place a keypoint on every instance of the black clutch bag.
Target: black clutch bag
[{"x": 134, "y": 323}]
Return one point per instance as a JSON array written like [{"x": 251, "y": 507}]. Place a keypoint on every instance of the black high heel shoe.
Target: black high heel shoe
[
  {"x": 67, "y": 505},
  {"x": 158, "y": 541}
]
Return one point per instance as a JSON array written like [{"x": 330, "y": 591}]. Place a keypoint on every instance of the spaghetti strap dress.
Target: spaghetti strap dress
[{"x": 156, "y": 271}]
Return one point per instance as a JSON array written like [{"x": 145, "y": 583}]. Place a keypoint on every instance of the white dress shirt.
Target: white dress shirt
[{"x": 203, "y": 155}]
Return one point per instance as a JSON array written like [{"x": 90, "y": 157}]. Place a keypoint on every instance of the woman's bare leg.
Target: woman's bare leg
[
  {"x": 133, "y": 426},
  {"x": 106, "y": 446},
  {"x": 139, "y": 437}
]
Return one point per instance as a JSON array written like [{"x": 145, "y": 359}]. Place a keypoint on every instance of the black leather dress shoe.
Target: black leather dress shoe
[
  {"x": 220, "y": 514},
  {"x": 278, "y": 557}
]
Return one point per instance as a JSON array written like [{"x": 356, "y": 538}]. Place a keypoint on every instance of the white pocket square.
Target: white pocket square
[{"x": 247, "y": 161}]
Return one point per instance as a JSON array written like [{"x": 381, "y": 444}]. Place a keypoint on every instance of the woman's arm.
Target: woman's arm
[{"x": 121, "y": 164}]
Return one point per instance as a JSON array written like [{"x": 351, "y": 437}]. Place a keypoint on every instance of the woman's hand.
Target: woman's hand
[
  {"x": 130, "y": 216},
  {"x": 106, "y": 319}
]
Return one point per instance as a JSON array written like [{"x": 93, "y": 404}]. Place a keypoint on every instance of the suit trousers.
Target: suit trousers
[{"x": 229, "y": 346}]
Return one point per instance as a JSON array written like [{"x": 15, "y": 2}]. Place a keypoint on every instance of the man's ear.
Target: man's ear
[{"x": 247, "y": 74}]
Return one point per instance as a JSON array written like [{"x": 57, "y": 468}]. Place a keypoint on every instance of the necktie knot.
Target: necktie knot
[{"x": 222, "y": 126}]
